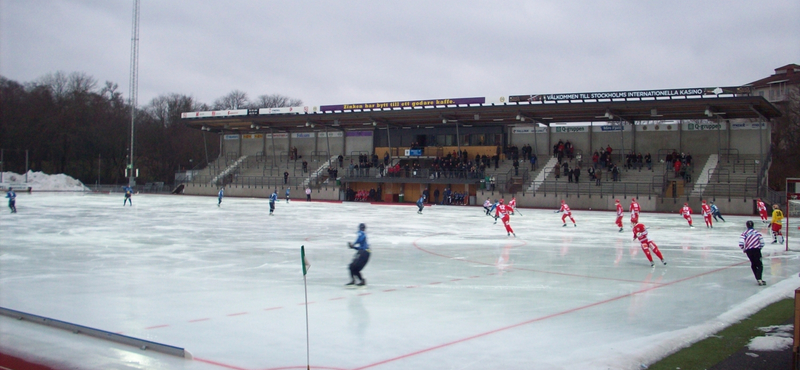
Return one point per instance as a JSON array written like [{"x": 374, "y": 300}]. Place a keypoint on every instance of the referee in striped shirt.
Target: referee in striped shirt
[{"x": 751, "y": 243}]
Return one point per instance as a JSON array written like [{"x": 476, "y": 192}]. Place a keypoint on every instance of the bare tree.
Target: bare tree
[
  {"x": 277, "y": 101},
  {"x": 235, "y": 99},
  {"x": 167, "y": 109}
]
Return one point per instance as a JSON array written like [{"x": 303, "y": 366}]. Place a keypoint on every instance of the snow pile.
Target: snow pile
[
  {"x": 39, "y": 181},
  {"x": 778, "y": 338}
]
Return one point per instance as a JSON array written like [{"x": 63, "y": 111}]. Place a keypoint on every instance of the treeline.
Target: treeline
[{"x": 68, "y": 123}]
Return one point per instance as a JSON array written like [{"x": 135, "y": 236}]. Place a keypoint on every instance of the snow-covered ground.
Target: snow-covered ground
[
  {"x": 446, "y": 289},
  {"x": 39, "y": 181}
]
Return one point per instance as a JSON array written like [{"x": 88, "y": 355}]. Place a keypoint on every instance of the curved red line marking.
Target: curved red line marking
[
  {"x": 571, "y": 310},
  {"x": 156, "y": 327}
]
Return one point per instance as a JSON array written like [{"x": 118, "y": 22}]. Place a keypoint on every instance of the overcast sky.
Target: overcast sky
[{"x": 338, "y": 52}]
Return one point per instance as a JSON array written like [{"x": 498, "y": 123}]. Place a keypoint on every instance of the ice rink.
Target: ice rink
[{"x": 446, "y": 289}]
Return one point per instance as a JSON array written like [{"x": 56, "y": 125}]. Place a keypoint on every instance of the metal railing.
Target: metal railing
[
  {"x": 353, "y": 174},
  {"x": 607, "y": 188}
]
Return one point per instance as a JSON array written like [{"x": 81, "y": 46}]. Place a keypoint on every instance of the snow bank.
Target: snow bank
[{"x": 39, "y": 181}]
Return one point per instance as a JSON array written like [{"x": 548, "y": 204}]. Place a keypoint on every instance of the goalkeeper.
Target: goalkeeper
[{"x": 360, "y": 259}]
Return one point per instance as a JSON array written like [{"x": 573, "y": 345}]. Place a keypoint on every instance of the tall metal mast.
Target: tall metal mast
[{"x": 134, "y": 87}]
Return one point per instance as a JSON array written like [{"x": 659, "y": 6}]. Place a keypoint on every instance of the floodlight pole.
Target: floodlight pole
[{"x": 134, "y": 86}]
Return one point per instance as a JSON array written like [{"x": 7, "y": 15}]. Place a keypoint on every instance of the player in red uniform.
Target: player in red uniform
[
  {"x": 634, "y": 212},
  {"x": 762, "y": 211},
  {"x": 619, "y": 214},
  {"x": 512, "y": 205},
  {"x": 640, "y": 231},
  {"x": 706, "y": 211},
  {"x": 567, "y": 213},
  {"x": 686, "y": 212},
  {"x": 501, "y": 212}
]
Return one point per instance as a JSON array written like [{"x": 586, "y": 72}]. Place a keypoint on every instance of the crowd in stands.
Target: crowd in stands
[
  {"x": 563, "y": 149},
  {"x": 681, "y": 164},
  {"x": 370, "y": 195}
]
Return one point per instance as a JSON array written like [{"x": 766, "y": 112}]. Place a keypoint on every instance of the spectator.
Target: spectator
[
  {"x": 568, "y": 172},
  {"x": 436, "y": 196},
  {"x": 591, "y": 173},
  {"x": 597, "y": 177},
  {"x": 677, "y": 167},
  {"x": 615, "y": 172},
  {"x": 688, "y": 158},
  {"x": 649, "y": 160},
  {"x": 285, "y": 177},
  {"x": 308, "y": 194},
  {"x": 305, "y": 166},
  {"x": 595, "y": 159},
  {"x": 341, "y": 161},
  {"x": 516, "y": 166},
  {"x": 557, "y": 170},
  {"x": 533, "y": 162},
  {"x": 576, "y": 173}
]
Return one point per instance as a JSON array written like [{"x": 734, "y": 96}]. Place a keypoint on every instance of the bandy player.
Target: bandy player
[
  {"x": 640, "y": 231},
  {"x": 706, "y": 211},
  {"x": 619, "y": 214},
  {"x": 512, "y": 205},
  {"x": 502, "y": 213},
  {"x": 686, "y": 212},
  {"x": 762, "y": 211},
  {"x": 634, "y": 213},
  {"x": 567, "y": 213}
]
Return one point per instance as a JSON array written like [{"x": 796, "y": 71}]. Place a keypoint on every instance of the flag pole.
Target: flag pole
[{"x": 306, "y": 265}]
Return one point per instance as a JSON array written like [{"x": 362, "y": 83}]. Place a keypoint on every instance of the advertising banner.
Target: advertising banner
[
  {"x": 402, "y": 104},
  {"x": 703, "y": 126},
  {"x": 698, "y": 91},
  {"x": 279, "y": 135},
  {"x": 331, "y": 134},
  {"x": 359, "y": 133},
  {"x": 302, "y": 135},
  {"x": 284, "y": 110},
  {"x": 528, "y": 130},
  {"x": 749, "y": 126},
  {"x": 215, "y": 113},
  {"x": 231, "y": 137},
  {"x": 253, "y": 136},
  {"x": 568, "y": 129}
]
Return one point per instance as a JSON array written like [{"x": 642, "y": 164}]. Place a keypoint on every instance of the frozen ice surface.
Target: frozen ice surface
[{"x": 447, "y": 289}]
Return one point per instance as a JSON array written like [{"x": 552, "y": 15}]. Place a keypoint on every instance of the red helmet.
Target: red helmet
[
  {"x": 562, "y": 200},
  {"x": 704, "y": 200},
  {"x": 685, "y": 204},
  {"x": 616, "y": 200},
  {"x": 501, "y": 201}
]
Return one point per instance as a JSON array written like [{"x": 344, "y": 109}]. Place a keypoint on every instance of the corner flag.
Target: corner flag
[{"x": 305, "y": 263}]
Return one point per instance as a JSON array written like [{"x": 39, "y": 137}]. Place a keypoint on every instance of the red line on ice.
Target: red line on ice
[{"x": 580, "y": 308}]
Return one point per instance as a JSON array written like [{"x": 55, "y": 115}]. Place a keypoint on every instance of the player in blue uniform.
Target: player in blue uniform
[
  {"x": 220, "y": 195},
  {"x": 421, "y": 204},
  {"x": 360, "y": 259},
  {"x": 287, "y": 194},
  {"x": 12, "y": 200},
  {"x": 715, "y": 212},
  {"x": 272, "y": 199},
  {"x": 128, "y": 193}
]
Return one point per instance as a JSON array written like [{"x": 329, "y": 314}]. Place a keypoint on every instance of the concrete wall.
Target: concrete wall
[
  {"x": 325, "y": 193},
  {"x": 701, "y": 138}
]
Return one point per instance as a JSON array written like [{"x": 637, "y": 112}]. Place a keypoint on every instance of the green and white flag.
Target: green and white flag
[{"x": 306, "y": 265}]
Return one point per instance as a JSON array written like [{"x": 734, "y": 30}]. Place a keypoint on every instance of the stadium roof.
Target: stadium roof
[{"x": 627, "y": 106}]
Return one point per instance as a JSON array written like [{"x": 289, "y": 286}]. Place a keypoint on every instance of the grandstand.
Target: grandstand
[{"x": 398, "y": 152}]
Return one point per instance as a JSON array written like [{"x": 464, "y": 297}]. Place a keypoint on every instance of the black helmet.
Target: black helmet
[
  {"x": 362, "y": 227},
  {"x": 749, "y": 224}
]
